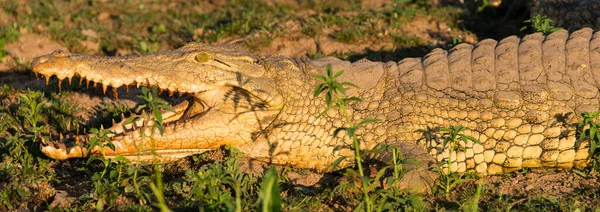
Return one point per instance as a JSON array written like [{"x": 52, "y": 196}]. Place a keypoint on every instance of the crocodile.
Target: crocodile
[{"x": 519, "y": 97}]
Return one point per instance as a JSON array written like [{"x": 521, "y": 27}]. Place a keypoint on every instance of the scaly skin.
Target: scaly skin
[{"x": 519, "y": 97}]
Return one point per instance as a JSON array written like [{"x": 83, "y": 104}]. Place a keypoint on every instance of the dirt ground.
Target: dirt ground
[{"x": 292, "y": 42}]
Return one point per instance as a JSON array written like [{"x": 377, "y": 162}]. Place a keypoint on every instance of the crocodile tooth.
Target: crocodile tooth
[
  {"x": 126, "y": 88},
  {"x": 122, "y": 116},
  {"x": 171, "y": 93},
  {"x": 81, "y": 80},
  {"x": 87, "y": 83},
  {"x": 60, "y": 136},
  {"x": 70, "y": 79},
  {"x": 179, "y": 93},
  {"x": 77, "y": 139},
  {"x": 37, "y": 76},
  {"x": 160, "y": 90},
  {"x": 59, "y": 84},
  {"x": 104, "y": 87},
  {"x": 47, "y": 80}
]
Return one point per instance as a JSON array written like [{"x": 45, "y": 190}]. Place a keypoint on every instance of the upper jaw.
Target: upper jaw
[{"x": 172, "y": 71}]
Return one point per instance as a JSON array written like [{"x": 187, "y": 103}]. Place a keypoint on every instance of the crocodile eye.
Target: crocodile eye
[
  {"x": 202, "y": 57},
  {"x": 258, "y": 62},
  {"x": 58, "y": 52}
]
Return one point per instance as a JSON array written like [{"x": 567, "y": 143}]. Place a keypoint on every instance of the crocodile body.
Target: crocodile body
[{"x": 519, "y": 97}]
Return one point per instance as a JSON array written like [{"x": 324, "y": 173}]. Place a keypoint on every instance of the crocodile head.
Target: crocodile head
[{"x": 232, "y": 98}]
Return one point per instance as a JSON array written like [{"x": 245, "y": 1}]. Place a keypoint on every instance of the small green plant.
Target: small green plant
[
  {"x": 155, "y": 105},
  {"x": 31, "y": 108},
  {"x": 483, "y": 5},
  {"x": 455, "y": 41},
  {"x": 541, "y": 24},
  {"x": 10, "y": 33},
  {"x": 270, "y": 200},
  {"x": 588, "y": 129},
  {"x": 454, "y": 140},
  {"x": 335, "y": 97},
  {"x": 472, "y": 203},
  {"x": 147, "y": 48},
  {"x": 219, "y": 186}
]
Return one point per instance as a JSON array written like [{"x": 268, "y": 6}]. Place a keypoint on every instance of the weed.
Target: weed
[
  {"x": 10, "y": 33},
  {"x": 24, "y": 178},
  {"x": 472, "y": 203},
  {"x": 335, "y": 97},
  {"x": 154, "y": 104},
  {"x": 270, "y": 200},
  {"x": 455, "y": 41},
  {"x": 588, "y": 128},
  {"x": 144, "y": 47},
  {"x": 210, "y": 187},
  {"x": 540, "y": 23},
  {"x": 454, "y": 141}
]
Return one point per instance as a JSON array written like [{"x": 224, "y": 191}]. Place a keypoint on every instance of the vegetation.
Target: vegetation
[
  {"x": 31, "y": 115},
  {"x": 541, "y": 24}
]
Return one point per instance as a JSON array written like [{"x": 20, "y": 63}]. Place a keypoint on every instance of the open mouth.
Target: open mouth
[
  {"x": 136, "y": 124},
  {"x": 226, "y": 101}
]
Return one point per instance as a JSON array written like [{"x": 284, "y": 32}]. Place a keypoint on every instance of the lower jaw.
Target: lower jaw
[{"x": 158, "y": 156}]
